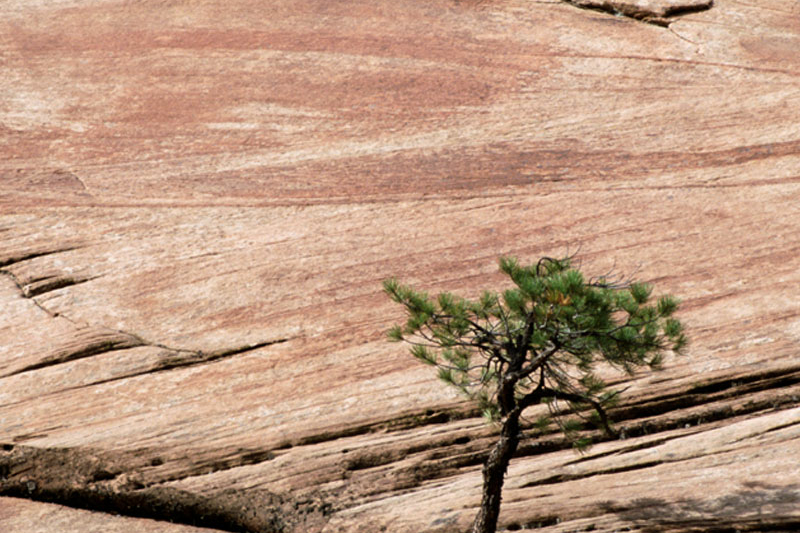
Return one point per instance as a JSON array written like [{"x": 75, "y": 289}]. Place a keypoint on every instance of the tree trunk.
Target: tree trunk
[{"x": 494, "y": 472}]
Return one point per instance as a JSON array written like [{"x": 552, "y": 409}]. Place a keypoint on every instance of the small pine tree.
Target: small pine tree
[{"x": 537, "y": 342}]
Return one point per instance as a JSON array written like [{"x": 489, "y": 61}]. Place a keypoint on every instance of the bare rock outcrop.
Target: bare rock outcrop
[{"x": 199, "y": 200}]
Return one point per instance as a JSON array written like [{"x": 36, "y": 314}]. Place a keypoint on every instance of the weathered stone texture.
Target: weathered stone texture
[{"x": 199, "y": 200}]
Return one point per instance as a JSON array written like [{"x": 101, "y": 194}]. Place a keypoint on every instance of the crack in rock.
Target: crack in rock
[
  {"x": 113, "y": 482},
  {"x": 45, "y": 284},
  {"x": 90, "y": 340},
  {"x": 658, "y": 12},
  {"x": 42, "y": 284},
  {"x": 88, "y": 344},
  {"x": 103, "y": 481},
  {"x": 175, "y": 358},
  {"x": 10, "y": 260}
]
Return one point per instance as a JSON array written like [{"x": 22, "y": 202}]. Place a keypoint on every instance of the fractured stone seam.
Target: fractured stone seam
[
  {"x": 193, "y": 357},
  {"x": 126, "y": 341},
  {"x": 33, "y": 255},
  {"x": 622, "y": 9},
  {"x": 96, "y": 347},
  {"x": 39, "y": 286}
]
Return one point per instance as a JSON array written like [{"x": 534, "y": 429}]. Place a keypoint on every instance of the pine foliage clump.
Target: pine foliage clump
[{"x": 539, "y": 341}]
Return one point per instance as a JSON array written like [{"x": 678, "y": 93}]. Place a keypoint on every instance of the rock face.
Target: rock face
[{"x": 199, "y": 200}]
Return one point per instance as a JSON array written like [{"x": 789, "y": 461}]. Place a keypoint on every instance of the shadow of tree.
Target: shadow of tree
[{"x": 758, "y": 507}]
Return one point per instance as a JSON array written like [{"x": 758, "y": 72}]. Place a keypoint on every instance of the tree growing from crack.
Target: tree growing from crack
[{"x": 538, "y": 342}]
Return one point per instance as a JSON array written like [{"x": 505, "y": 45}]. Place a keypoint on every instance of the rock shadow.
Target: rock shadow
[{"x": 758, "y": 507}]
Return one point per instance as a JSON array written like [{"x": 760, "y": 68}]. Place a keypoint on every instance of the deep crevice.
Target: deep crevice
[
  {"x": 162, "y": 504},
  {"x": 439, "y": 465},
  {"x": 555, "y": 442},
  {"x": 90, "y": 479},
  {"x": 679, "y": 11},
  {"x": 728, "y": 388},
  {"x": 621, "y": 8},
  {"x": 536, "y": 523}
]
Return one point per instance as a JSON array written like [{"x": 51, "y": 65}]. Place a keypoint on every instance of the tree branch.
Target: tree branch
[{"x": 577, "y": 398}]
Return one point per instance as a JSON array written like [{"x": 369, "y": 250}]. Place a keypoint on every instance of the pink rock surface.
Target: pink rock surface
[
  {"x": 25, "y": 516},
  {"x": 199, "y": 200}
]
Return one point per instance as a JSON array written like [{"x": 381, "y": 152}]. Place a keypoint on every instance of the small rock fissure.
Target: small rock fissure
[
  {"x": 96, "y": 347},
  {"x": 40, "y": 286},
  {"x": 561, "y": 478},
  {"x": 120, "y": 340},
  {"x": 628, "y": 449},
  {"x": 783, "y": 426},
  {"x": 404, "y": 422},
  {"x": 650, "y": 12},
  {"x": 176, "y": 358},
  {"x": 182, "y": 358},
  {"x": 8, "y": 261},
  {"x": 21, "y": 289}
]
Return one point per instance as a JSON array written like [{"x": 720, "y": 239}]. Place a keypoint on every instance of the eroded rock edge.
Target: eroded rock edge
[
  {"x": 124, "y": 483},
  {"x": 650, "y": 12}
]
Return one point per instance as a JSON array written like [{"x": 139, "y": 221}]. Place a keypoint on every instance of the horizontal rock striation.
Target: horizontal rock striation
[{"x": 199, "y": 201}]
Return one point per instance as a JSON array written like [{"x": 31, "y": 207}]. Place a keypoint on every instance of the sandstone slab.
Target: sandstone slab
[{"x": 199, "y": 200}]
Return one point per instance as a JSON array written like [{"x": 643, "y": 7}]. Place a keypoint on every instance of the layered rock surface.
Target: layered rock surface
[{"x": 199, "y": 200}]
